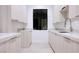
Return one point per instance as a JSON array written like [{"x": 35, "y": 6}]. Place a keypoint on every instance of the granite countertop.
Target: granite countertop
[
  {"x": 71, "y": 35},
  {"x": 7, "y": 36}
]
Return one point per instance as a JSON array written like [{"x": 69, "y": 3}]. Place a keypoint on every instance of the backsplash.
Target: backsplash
[
  {"x": 18, "y": 26},
  {"x": 75, "y": 25}
]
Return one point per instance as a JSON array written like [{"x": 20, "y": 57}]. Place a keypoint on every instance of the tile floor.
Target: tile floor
[{"x": 37, "y": 48}]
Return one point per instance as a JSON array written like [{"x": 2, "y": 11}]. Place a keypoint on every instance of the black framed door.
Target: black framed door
[{"x": 40, "y": 19}]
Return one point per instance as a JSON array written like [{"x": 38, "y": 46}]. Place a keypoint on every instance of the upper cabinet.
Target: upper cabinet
[
  {"x": 77, "y": 8},
  {"x": 5, "y": 18},
  {"x": 65, "y": 12},
  {"x": 19, "y": 12},
  {"x": 73, "y": 11},
  {"x": 57, "y": 14}
]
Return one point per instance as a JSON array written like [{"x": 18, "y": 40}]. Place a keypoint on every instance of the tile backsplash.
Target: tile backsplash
[{"x": 74, "y": 23}]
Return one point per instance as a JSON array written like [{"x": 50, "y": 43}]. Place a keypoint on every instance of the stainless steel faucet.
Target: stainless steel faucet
[{"x": 70, "y": 24}]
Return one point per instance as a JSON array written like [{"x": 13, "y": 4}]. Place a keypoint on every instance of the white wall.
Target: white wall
[
  {"x": 19, "y": 12},
  {"x": 30, "y": 15}
]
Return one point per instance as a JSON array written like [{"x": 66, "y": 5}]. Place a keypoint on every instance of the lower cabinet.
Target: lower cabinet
[
  {"x": 12, "y": 45},
  {"x": 16, "y": 43},
  {"x": 58, "y": 43},
  {"x": 3, "y": 47},
  {"x": 62, "y": 44},
  {"x": 29, "y": 38},
  {"x": 71, "y": 46},
  {"x": 26, "y": 38},
  {"x": 51, "y": 41}
]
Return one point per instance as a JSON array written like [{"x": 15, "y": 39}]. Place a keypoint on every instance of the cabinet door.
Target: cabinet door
[
  {"x": 62, "y": 44},
  {"x": 12, "y": 45},
  {"x": 72, "y": 46},
  {"x": 51, "y": 39},
  {"x": 69, "y": 45},
  {"x": 26, "y": 38},
  {"x": 19, "y": 12},
  {"x": 73, "y": 11},
  {"x": 77, "y": 10},
  {"x": 29, "y": 38},
  {"x": 18, "y": 44},
  {"x": 3, "y": 48},
  {"x": 24, "y": 41},
  {"x": 58, "y": 43},
  {"x": 50, "y": 35},
  {"x": 57, "y": 15},
  {"x": 77, "y": 47},
  {"x": 65, "y": 45},
  {"x": 5, "y": 18}
]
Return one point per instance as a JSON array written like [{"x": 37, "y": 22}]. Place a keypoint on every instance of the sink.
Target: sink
[{"x": 63, "y": 31}]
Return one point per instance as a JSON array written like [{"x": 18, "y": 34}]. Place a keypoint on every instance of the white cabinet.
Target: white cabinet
[
  {"x": 51, "y": 42},
  {"x": 69, "y": 45},
  {"x": 58, "y": 43},
  {"x": 62, "y": 44},
  {"x": 19, "y": 17},
  {"x": 73, "y": 11},
  {"x": 26, "y": 40},
  {"x": 77, "y": 10},
  {"x": 2, "y": 47},
  {"x": 14, "y": 44},
  {"x": 20, "y": 26},
  {"x": 11, "y": 45},
  {"x": 19, "y": 12},
  {"x": 5, "y": 18},
  {"x": 57, "y": 15},
  {"x": 29, "y": 38}
]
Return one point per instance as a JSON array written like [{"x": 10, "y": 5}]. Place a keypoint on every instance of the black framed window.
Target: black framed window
[{"x": 40, "y": 19}]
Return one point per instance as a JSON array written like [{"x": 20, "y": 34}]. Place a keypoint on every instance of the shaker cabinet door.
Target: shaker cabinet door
[
  {"x": 58, "y": 43},
  {"x": 69, "y": 45},
  {"x": 73, "y": 11}
]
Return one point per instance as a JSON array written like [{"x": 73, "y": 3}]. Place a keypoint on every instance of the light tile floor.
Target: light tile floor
[{"x": 37, "y": 48}]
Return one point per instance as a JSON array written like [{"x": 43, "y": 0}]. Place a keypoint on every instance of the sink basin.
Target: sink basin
[{"x": 64, "y": 32}]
